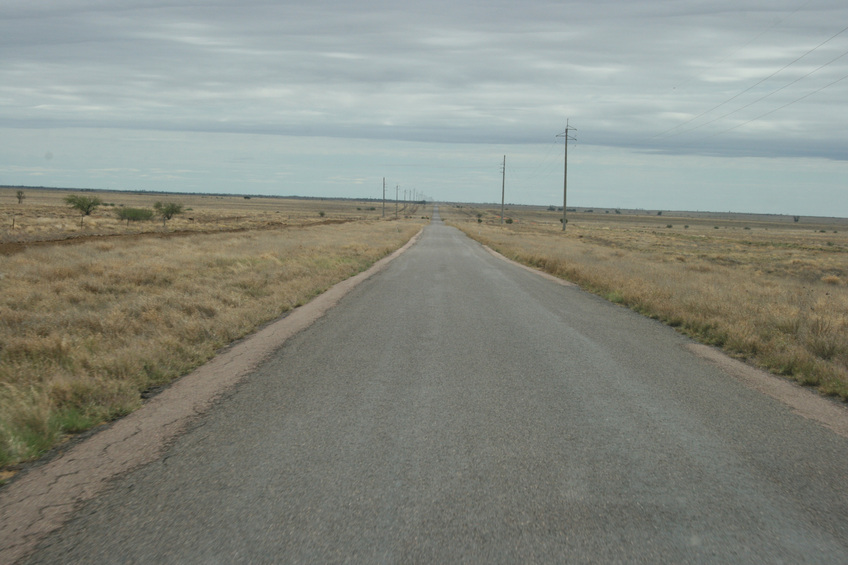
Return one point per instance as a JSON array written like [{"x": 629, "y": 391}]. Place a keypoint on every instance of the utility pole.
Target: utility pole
[
  {"x": 568, "y": 138},
  {"x": 397, "y": 190},
  {"x": 384, "y": 197},
  {"x": 503, "y": 187}
]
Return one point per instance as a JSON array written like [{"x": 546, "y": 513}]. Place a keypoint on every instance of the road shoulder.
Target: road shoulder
[
  {"x": 41, "y": 499},
  {"x": 809, "y": 404}
]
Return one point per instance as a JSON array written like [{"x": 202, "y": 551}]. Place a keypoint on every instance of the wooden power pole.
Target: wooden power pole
[
  {"x": 503, "y": 186},
  {"x": 567, "y": 138}
]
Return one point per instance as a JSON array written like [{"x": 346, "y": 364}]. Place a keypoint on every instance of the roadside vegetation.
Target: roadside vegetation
[
  {"x": 88, "y": 329},
  {"x": 772, "y": 291}
]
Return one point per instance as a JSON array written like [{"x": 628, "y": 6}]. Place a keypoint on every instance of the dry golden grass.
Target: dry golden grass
[
  {"x": 44, "y": 215},
  {"x": 768, "y": 290},
  {"x": 86, "y": 329}
]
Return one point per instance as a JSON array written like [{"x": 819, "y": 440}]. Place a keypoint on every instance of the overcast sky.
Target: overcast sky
[{"x": 736, "y": 105}]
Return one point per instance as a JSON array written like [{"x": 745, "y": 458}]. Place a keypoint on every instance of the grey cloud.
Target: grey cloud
[{"x": 436, "y": 71}]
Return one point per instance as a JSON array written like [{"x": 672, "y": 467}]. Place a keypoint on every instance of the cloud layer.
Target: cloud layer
[{"x": 720, "y": 79}]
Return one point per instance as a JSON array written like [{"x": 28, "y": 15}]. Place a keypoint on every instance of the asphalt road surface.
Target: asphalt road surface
[{"x": 457, "y": 408}]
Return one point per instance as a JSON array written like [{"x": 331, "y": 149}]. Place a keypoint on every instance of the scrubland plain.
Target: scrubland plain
[
  {"x": 44, "y": 215},
  {"x": 767, "y": 289},
  {"x": 91, "y": 325}
]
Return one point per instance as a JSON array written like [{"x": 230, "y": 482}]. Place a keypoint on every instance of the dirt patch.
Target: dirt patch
[{"x": 806, "y": 403}]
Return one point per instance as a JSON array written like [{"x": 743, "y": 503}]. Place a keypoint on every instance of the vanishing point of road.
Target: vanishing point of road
[{"x": 459, "y": 408}]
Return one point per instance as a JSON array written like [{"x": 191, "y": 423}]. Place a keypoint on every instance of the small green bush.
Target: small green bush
[
  {"x": 167, "y": 210},
  {"x": 135, "y": 214},
  {"x": 85, "y": 204}
]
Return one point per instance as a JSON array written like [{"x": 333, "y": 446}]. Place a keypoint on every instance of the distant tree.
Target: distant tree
[
  {"x": 134, "y": 214},
  {"x": 20, "y": 194},
  {"x": 167, "y": 210},
  {"x": 796, "y": 218},
  {"x": 85, "y": 204}
]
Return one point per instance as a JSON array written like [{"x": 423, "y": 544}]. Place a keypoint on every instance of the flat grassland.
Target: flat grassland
[
  {"x": 95, "y": 318},
  {"x": 44, "y": 215},
  {"x": 767, "y": 289}
]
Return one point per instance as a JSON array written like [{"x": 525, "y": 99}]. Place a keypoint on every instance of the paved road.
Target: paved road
[{"x": 456, "y": 408}]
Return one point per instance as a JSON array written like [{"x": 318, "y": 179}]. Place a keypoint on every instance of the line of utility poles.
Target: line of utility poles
[
  {"x": 410, "y": 197},
  {"x": 568, "y": 138}
]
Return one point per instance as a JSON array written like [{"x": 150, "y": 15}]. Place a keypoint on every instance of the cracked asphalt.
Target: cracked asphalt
[{"x": 458, "y": 408}]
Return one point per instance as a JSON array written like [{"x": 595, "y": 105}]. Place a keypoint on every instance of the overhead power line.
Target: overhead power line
[
  {"x": 761, "y": 98},
  {"x": 546, "y": 162},
  {"x": 816, "y": 91},
  {"x": 759, "y": 82},
  {"x": 736, "y": 52}
]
